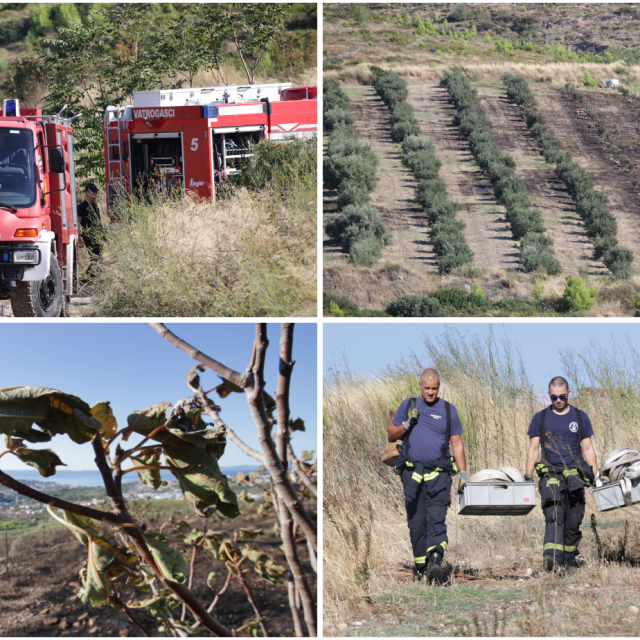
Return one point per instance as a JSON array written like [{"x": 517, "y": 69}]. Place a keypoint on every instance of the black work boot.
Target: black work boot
[
  {"x": 434, "y": 568},
  {"x": 551, "y": 566},
  {"x": 570, "y": 563},
  {"x": 418, "y": 571}
]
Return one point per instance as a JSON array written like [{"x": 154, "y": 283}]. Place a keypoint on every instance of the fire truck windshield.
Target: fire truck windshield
[{"x": 17, "y": 168}]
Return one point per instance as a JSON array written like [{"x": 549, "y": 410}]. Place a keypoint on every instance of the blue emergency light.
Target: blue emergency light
[{"x": 11, "y": 108}]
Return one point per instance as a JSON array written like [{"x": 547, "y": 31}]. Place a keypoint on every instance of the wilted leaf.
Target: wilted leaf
[
  {"x": 245, "y": 497},
  {"x": 227, "y": 388},
  {"x": 306, "y": 456},
  {"x": 44, "y": 460},
  {"x": 169, "y": 561},
  {"x": 82, "y": 527},
  {"x": 210, "y": 577},
  {"x": 248, "y": 534},
  {"x": 51, "y": 410},
  {"x": 102, "y": 412},
  {"x": 240, "y": 477},
  {"x": 265, "y": 566},
  {"x": 212, "y": 542},
  {"x": 180, "y": 526},
  {"x": 149, "y": 477},
  {"x": 204, "y": 486},
  {"x": 296, "y": 425},
  {"x": 263, "y": 507},
  {"x": 147, "y": 419},
  {"x": 195, "y": 537},
  {"x": 269, "y": 402},
  {"x": 193, "y": 379}
]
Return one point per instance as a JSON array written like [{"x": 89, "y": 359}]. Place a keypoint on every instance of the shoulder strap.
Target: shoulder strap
[
  {"x": 412, "y": 423},
  {"x": 543, "y": 414},
  {"x": 447, "y": 433},
  {"x": 579, "y": 416}
]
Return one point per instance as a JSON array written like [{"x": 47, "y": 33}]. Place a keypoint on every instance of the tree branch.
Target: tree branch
[
  {"x": 219, "y": 368},
  {"x": 118, "y": 600},
  {"x": 115, "y": 496},
  {"x": 255, "y": 397},
  {"x": 87, "y": 512},
  {"x": 295, "y": 463},
  {"x": 285, "y": 367}
]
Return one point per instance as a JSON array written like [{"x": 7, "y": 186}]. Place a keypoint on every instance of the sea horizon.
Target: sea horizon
[{"x": 92, "y": 477}]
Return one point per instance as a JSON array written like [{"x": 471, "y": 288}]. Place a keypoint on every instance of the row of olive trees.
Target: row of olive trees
[
  {"x": 118, "y": 49},
  {"x": 131, "y": 567},
  {"x": 419, "y": 155},
  {"x": 591, "y": 205},
  {"x": 536, "y": 249},
  {"x": 350, "y": 168}
]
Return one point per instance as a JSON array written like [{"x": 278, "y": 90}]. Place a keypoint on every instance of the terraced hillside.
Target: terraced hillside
[{"x": 551, "y": 45}]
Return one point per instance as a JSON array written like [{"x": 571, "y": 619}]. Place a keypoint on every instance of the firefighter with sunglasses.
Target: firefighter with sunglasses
[{"x": 566, "y": 466}]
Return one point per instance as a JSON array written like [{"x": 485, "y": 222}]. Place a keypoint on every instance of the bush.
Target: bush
[
  {"x": 352, "y": 193},
  {"x": 602, "y": 244},
  {"x": 451, "y": 297},
  {"x": 458, "y": 14},
  {"x": 618, "y": 260},
  {"x": 366, "y": 251},
  {"x": 347, "y": 160},
  {"x": 400, "y": 131},
  {"x": 588, "y": 80},
  {"x": 391, "y": 88},
  {"x": 355, "y": 223},
  {"x": 577, "y": 296},
  {"x": 12, "y": 31},
  {"x": 407, "y": 306},
  {"x": 401, "y": 111},
  {"x": 536, "y": 254},
  {"x": 331, "y": 118}
]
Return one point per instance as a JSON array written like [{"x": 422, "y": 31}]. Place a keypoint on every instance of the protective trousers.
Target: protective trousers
[
  {"x": 563, "y": 513},
  {"x": 426, "y": 505}
]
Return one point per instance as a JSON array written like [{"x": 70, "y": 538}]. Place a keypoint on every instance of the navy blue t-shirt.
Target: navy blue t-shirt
[
  {"x": 427, "y": 437},
  {"x": 561, "y": 435}
]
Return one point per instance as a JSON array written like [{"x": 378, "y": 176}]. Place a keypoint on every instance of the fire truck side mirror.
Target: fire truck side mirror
[{"x": 56, "y": 160}]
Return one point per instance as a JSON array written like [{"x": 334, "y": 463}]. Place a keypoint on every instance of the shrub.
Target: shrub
[
  {"x": 451, "y": 297},
  {"x": 458, "y": 14},
  {"x": 602, "y": 244},
  {"x": 536, "y": 254},
  {"x": 366, "y": 251},
  {"x": 423, "y": 164},
  {"x": 588, "y": 80},
  {"x": 336, "y": 116},
  {"x": 401, "y": 111},
  {"x": 347, "y": 160},
  {"x": 352, "y": 193},
  {"x": 356, "y": 222},
  {"x": 618, "y": 260},
  {"x": 391, "y": 88},
  {"x": 577, "y": 296},
  {"x": 407, "y": 306},
  {"x": 400, "y": 131}
]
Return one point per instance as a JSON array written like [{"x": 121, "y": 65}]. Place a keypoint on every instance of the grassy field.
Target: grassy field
[
  {"x": 551, "y": 45},
  {"x": 495, "y": 583}
]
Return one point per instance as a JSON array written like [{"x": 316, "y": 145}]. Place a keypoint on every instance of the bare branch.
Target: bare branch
[
  {"x": 295, "y": 612},
  {"x": 285, "y": 367},
  {"x": 114, "y": 495},
  {"x": 229, "y": 374},
  {"x": 221, "y": 592},
  {"x": 87, "y": 512},
  {"x": 255, "y": 397},
  {"x": 116, "y": 598}
]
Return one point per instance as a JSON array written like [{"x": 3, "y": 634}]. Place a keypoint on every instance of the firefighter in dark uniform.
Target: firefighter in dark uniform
[
  {"x": 567, "y": 465},
  {"x": 426, "y": 466},
  {"x": 90, "y": 227}
]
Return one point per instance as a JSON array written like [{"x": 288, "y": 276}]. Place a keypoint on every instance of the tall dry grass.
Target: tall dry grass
[
  {"x": 486, "y": 379},
  {"x": 559, "y": 72},
  {"x": 250, "y": 254}
]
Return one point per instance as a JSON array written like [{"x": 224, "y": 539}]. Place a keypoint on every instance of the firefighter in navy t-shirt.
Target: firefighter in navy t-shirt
[
  {"x": 426, "y": 466},
  {"x": 568, "y": 464}
]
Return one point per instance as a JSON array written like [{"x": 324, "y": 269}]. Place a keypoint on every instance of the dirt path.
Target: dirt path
[
  {"x": 393, "y": 196},
  {"x": 487, "y": 232},
  {"x": 566, "y": 120},
  {"x": 572, "y": 246}
]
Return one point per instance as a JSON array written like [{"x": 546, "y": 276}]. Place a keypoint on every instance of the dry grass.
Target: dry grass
[
  {"x": 559, "y": 72},
  {"x": 249, "y": 255},
  {"x": 364, "y": 501}
]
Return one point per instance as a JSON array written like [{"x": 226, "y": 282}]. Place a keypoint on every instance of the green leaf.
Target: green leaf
[
  {"x": 82, "y": 527},
  {"x": 204, "y": 486},
  {"x": 149, "y": 477},
  {"x": 169, "y": 561},
  {"x": 44, "y": 460},
  {"x": 248, "y": 534},
  {"x": 102, "y": 412},
  {"x": 53, "y": 411},
  {"x": 147, "y": 419}
]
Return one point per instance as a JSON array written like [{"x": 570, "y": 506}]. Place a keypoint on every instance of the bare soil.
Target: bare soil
[
  {"x": 393, "y": 196},
  {"x": 37, "y": 589},
  {"x": 572, "y": 246},
  {"x": 487, "y": 232},
  {"x": 568, "y": 122}
]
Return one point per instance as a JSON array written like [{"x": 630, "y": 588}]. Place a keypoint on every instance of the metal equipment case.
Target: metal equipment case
[
  {"x": 611, "y": 496},
  {"x": 497, "y": 499}
]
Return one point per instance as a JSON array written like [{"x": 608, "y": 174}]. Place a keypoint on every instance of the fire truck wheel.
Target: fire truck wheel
[{"x": 41, "y": 299}]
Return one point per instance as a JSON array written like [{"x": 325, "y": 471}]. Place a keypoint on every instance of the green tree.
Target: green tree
[
  {"x": 64, "y": 14},
  {"x": 577, "y": 296}
]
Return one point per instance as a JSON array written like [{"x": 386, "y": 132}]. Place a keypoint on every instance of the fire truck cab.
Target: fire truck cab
[
  {"x": 38, "y": 218},
  {"x": 193, "y": 139}
]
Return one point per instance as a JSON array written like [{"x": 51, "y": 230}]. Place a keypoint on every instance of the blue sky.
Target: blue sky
[
  {"x": 130, "y": 365},
  {"x": 372, "y": 346}
]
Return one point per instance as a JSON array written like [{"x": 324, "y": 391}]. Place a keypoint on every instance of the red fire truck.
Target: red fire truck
[
  {"x": 193, "y": 139},
  {"x": 38, "y": 219},
  {"x": 186, "y": 139}
]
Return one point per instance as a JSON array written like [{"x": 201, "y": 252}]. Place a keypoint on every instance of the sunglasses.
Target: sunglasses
[{"x": 562, "y": 397}]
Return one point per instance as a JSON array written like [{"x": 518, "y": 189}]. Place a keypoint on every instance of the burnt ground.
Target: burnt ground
[
  {"x": 572, "y": 246},
  {"x": 37, "y": 594},
  {"x": 393, "y": 196},
  {"x": 567, "y": 121},
  {"x": 487, "y": 232}
]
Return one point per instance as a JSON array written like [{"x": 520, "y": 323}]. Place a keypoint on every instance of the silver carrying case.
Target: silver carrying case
[
  {"x": 611, "y": 496},
  {"x": 497, "y": 499}
]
